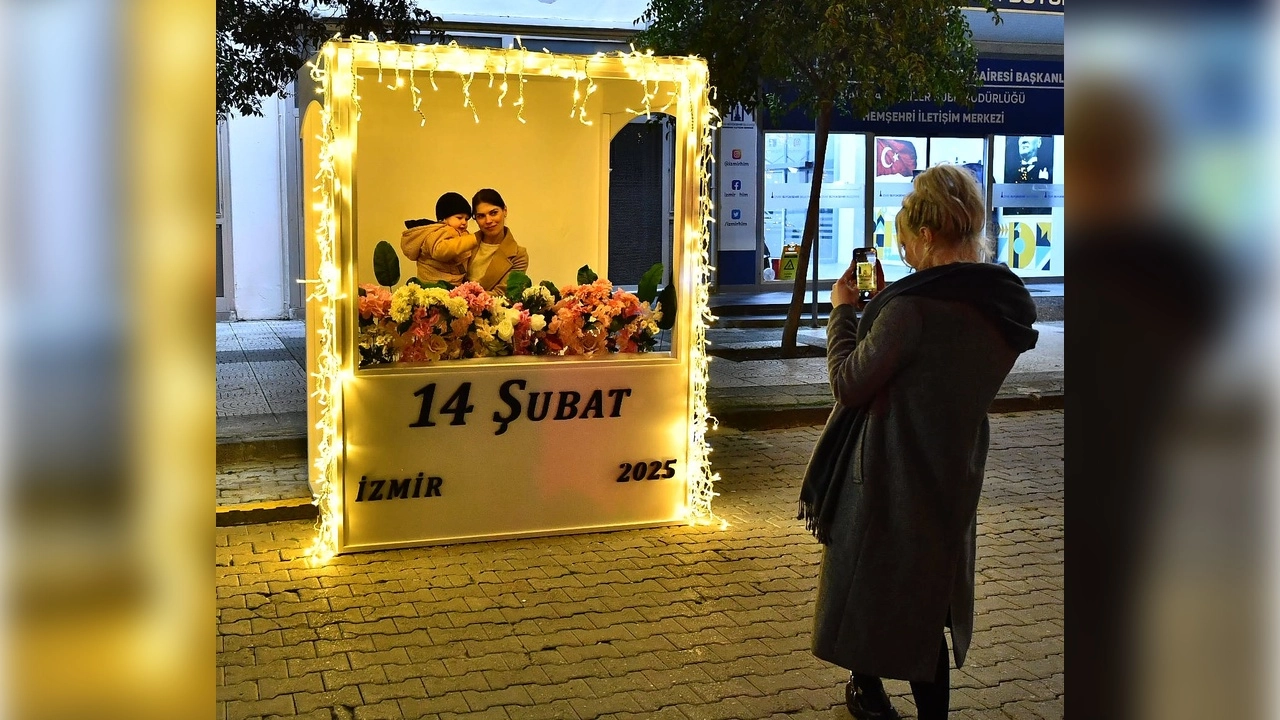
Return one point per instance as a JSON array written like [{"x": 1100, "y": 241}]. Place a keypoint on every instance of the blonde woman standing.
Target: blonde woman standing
[{"x": 893, "y": 485}]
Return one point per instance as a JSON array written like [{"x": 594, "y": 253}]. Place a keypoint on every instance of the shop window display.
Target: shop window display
[
  {"x": 1027, "y": 200},
  {"x": 898, "y": 161},
  {"x": 789, "y": 174}
]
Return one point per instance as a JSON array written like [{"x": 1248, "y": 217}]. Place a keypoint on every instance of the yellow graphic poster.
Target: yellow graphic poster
[{"x": 1025, "y": 244}]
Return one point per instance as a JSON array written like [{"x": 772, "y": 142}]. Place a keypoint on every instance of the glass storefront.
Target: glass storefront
[
  {"x": 1025, "y": 182},
  {"x": 898, "y": 160},
  {"x": 788, "y": 176}
]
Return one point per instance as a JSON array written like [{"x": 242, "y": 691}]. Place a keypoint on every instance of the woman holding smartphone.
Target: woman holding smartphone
[{"x": 893, "y": 485}]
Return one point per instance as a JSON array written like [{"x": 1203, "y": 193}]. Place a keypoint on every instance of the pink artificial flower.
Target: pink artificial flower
[
  {"x": 375, "y": 304},
  {"x": 423, "y": 321},
  {"x": 477, "y": 299}
]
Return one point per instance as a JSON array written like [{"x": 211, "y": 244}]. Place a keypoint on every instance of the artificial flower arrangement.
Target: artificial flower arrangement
[{"x": 428, "y": 323}]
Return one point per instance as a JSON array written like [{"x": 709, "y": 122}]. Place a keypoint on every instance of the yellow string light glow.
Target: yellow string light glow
[
  {"x": 591, "y": 87},
  {"x": 336, "y": 149},
  {"x": 577, "y": 93},
  {"x": 466, "y": 95},
  {"x": 413, "y": 85},
  {"x": 502, "y": 89},
  {"x": 355, "y": 95},
  {"x": 702, "y": 481},
  {"x": 519, "y": 103},
  {"x": 323, "y": 298},
  {"x": 399, "y": 82}
]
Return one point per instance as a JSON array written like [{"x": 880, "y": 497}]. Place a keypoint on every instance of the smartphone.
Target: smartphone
[{"x": 865, "y": 261}]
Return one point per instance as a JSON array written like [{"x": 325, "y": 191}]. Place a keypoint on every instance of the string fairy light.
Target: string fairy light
[
  {"x": 413, "y": 85},
  {"x": 702, "y": 481},
  {"x": 577, "y": 94},
  {"x": 466, "y": 95},
  {"x": 502, "y": 89},
  {"x": 399, "y": 80},
  {"x": 355, "y": 95},
  {"x": 325, "y": 291},
  {"x": 519, "y": 103},
  {"x": 697, "y": 120}
]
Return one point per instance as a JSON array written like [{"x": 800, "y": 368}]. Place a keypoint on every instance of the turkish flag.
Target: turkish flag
[{"x": 895, "y": 157}]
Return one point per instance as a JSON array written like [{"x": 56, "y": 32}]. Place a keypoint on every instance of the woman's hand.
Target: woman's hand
[{"x": 844, "y": 292}]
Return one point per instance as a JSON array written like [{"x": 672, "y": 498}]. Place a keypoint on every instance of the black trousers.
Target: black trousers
[{"x": 933, "y": 699}]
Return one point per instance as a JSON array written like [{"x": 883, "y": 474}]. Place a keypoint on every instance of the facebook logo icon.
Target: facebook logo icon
[
  {"x": 735, "y": 215},
  {"x": 736, "y": 184}
]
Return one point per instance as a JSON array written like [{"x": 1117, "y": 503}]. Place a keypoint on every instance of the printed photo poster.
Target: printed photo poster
[
  {"x": 898, "y": 160},
  {"x": 1028, "y": 205},
  {"x": 1028, "y": 159}
]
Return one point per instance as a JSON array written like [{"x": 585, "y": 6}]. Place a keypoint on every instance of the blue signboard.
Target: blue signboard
[
  {"x": 1049, "y": 6},
  {"x": 1017, "y": 97}
]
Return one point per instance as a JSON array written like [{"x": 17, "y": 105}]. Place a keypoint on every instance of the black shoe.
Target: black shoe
[{"x": 856, "y": 703}]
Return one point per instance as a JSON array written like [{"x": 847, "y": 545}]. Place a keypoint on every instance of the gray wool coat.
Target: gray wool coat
[{"x": 900, "y": 563}]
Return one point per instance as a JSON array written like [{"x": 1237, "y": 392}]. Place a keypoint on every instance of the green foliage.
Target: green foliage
[
  {"x": 386, "y": 264},
  {"x": 551, "y": 288},
  {"x": 648, "y": 289},
  {"x": 415, "y": 280},
  {"x": 858, "y": 55},
  {"x": 849, "y": 56},
  {"x": 668, "y": 300},
  {"x": 517, "y": 283},
  {"x": 586, "y": 275},
  {"x": 262, "y": 44}
]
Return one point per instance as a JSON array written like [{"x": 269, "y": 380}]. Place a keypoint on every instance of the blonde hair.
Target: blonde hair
[{"x": 947, "y": 200}]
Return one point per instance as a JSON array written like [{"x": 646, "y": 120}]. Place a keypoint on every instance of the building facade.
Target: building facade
[{"x": 1012, "y": 140}]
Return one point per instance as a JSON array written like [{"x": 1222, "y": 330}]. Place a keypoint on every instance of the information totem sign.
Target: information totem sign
[{"x": 474, "y": 374}]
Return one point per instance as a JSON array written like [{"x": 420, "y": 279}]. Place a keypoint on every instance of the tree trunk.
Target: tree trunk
[{"x": 792, "y": 328}]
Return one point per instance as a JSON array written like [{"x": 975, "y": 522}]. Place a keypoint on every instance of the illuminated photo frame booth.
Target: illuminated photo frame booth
[{"x": 484, "y": 448}]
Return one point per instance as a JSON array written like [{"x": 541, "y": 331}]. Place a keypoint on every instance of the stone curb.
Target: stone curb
[
  {"x": 773, "y": 418},
  {"x": 266, "y": 512},
  {"x": 236, "y": 451}
]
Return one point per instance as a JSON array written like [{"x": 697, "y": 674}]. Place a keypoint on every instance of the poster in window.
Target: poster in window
[{"x": 1028, "y": 159}]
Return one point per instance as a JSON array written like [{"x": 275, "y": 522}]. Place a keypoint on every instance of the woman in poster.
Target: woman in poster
[{"x": 498, "y": 253}]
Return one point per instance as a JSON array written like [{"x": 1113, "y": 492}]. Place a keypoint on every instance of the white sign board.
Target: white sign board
[
  {"x": 487, "y": 448},
  {"x": 738, "y": 166}
]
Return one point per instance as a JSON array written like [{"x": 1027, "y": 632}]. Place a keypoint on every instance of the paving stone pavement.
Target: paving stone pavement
[
  {"x": 260, "y": 368},
  {"x": 687, "y": 623}
]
